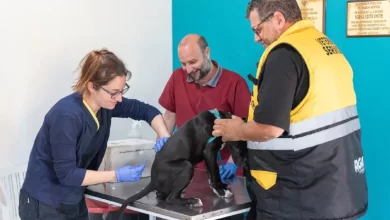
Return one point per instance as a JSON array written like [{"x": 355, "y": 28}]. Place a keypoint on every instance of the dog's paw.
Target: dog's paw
[
  {"x": 224, "y": 193},
  {"x": 220, "y": 185},
  {"x": 196, "y": 202}
]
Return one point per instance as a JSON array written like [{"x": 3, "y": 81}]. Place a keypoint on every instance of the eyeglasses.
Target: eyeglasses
[
  {"x": 256, "y": 29},
  {"x": 115, "y": 94}
]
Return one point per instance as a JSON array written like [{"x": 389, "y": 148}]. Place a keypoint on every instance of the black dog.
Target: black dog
[{"x": 173, "y": 166}]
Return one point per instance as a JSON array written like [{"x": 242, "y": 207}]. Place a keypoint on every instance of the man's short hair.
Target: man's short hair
[{"x": 289, "y": 8}]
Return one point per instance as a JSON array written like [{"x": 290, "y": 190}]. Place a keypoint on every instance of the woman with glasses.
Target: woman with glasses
[{"x": 72, "y": 141}]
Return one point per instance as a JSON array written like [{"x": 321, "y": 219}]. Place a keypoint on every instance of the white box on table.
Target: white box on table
[{"x": 129, "y": 152}]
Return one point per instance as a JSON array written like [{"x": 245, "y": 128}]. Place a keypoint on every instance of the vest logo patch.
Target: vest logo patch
[
  {"x": 359, "y": 165},
  {"x": 304, "y": 2},
  {"x": 329, "y": 47}
]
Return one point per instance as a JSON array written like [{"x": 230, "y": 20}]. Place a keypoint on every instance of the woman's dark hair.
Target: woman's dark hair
[{"x": 99, "y": 67}]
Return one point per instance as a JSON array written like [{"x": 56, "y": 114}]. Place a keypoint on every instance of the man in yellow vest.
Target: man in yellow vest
[{"x": 305, "y": 156}]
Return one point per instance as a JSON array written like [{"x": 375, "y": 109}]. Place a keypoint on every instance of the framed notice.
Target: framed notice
[
  {"x": 313, "y": 10},
  {"x": 368, "y": 18}
]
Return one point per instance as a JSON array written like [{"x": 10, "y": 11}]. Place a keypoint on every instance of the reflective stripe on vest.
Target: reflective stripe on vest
[{"x": 314, "y": 131}]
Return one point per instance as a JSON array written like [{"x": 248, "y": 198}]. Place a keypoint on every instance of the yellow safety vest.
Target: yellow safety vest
[{"x": 327, "y": 113}]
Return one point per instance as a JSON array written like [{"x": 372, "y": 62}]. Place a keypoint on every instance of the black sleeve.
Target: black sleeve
[{"x": 277, "y": 88}]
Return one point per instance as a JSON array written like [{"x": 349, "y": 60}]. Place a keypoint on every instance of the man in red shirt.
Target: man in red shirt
[{"x": 199, "y": 85}]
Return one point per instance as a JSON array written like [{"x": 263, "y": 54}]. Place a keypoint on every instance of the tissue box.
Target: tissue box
[{"x": 129, "y": 152}]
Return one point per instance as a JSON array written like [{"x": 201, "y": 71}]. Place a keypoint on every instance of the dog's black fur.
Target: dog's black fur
[{"x": 173, "y": 166}]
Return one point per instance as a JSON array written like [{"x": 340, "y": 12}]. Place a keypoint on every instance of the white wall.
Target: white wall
[{"x": 42, "y": 43}]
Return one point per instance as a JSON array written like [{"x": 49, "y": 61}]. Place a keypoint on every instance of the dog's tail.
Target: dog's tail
[{"x": 145, "y": 191}]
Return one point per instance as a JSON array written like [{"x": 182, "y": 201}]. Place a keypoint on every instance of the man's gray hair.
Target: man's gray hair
[
  {"x": 202, "y": 43},
  {"x": 289, "y": 8}
]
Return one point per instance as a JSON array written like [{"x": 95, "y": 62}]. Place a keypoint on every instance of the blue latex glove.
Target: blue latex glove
[
  {"x": 159, "y": 144},
  {"x": 129, "y": 173},
  {"x": 229, "y": 170}
]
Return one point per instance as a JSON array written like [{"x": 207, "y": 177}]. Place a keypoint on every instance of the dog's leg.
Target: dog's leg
[
  {"x": 210, "y": 158},
  {"x": 239, "y": 152},
  {"x": 161, "y": 196},
  {"x": 184, "y": 172}
]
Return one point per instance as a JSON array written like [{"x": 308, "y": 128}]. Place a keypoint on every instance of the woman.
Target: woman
[{"x": 72, "y": 141}]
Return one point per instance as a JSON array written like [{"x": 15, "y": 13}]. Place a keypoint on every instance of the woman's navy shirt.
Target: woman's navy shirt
[{"x": 71, "y": 141}]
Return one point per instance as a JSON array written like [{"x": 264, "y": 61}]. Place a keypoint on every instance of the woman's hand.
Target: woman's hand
[{"x": 129, "y": 173}]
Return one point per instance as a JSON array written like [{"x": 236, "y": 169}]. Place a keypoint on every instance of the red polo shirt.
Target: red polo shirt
[{"x": 226, "y": 91}]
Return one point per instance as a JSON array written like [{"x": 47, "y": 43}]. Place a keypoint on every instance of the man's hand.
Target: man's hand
[
  {"x": 228, "y": 172},
  {"x": 229, "y": 129}
]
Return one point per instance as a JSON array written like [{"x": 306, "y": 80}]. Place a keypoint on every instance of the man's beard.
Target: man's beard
[{"x": 204, "y": 70}]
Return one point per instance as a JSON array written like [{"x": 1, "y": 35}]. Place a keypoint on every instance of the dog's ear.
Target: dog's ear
[{"x": 239, "y": 152}]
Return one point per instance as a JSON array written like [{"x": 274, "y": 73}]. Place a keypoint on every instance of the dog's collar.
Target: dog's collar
[
  {"x": 216, "y": 113},
  {"x": 218, "y": 116}
]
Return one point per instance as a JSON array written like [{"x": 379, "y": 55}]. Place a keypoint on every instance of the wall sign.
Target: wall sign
[
  {"x": 368, "y": 18},
  {"x": 313, "y": 10}
]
